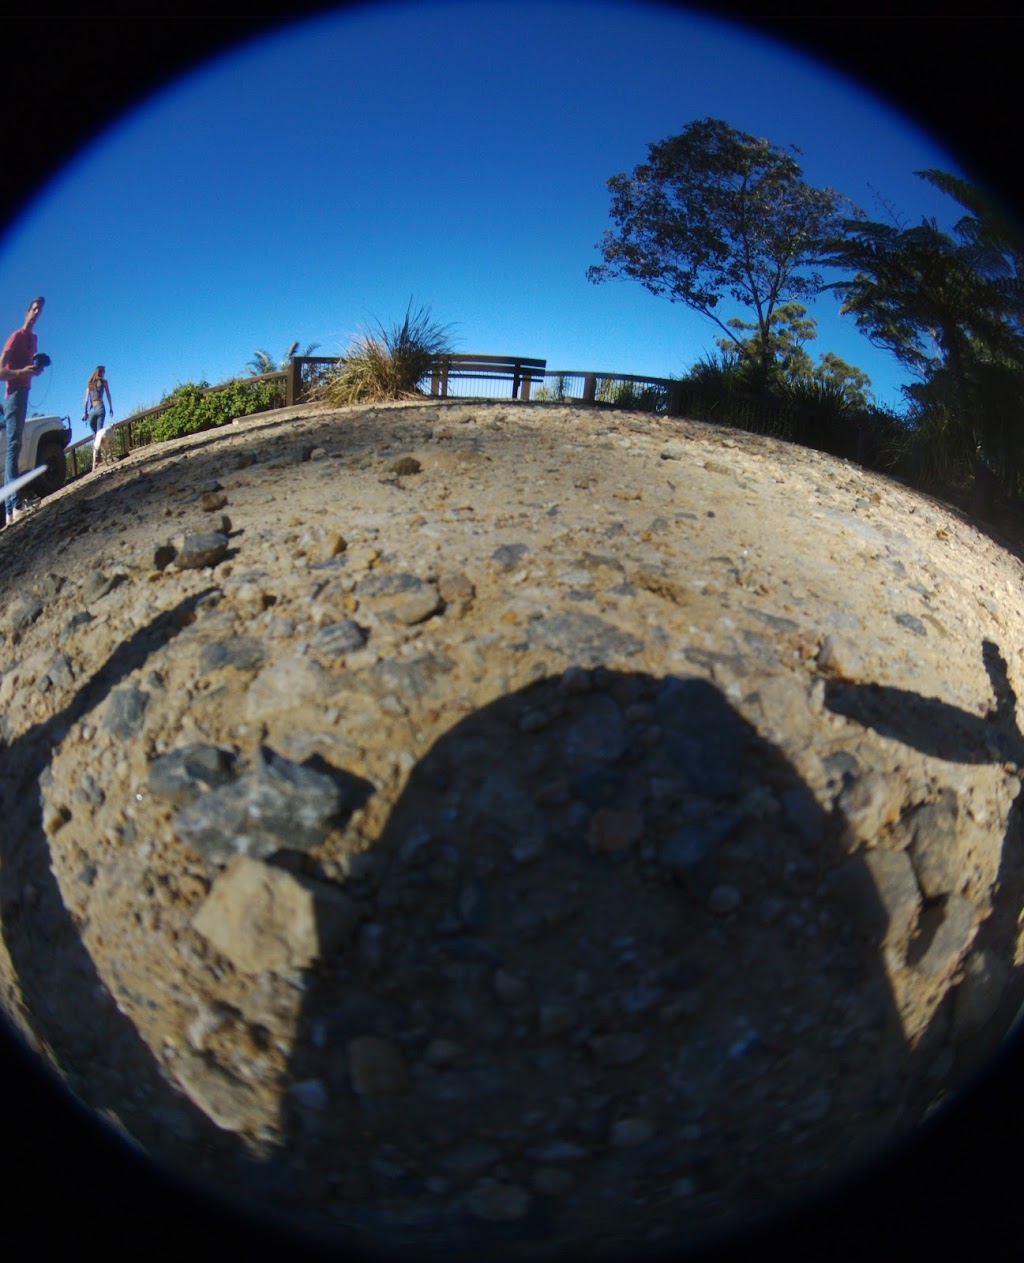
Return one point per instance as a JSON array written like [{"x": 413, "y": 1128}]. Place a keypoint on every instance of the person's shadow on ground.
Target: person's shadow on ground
[{"x": 617, "y": 972}]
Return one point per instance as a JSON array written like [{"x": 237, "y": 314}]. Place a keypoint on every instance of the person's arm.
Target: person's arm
[{"x": 110, "y": 402}]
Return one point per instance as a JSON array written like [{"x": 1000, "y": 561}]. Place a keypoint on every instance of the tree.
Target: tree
[
  {"x": 950, "y": 306},
  {"x": 790, "y": 328},
  {"x": 716, "y": 213},
  {"x": 263, "y": 362}
]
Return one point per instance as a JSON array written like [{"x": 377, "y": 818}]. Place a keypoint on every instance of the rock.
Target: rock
[
  {"x": 611, "y": 830},
  {"x": 404, "y": 466},
  {"x": 911, "y": 623},
  {"x": 205, "y": 549},
  {"x": 280, "y": 805},
  {"x": 691, "y": 853},
  {"x": 723, "y": 899},
  {"x": 951, "y": 938},
  {"x": 442, "y": 1052},
  {"x": 402, "y": 598},
  {"x": 153, "y": 557},
  {"x": 285, "y": 684},
  {"x": 227, "y": 1102},
  {"x": 183, "y": 774},
  {"x": 263, "y": 918},
  {"x": 869, "y": 803},
  {"x": 22, "y": 613},
  {"x": 596, "y": 733},
  {"x": 508, "y": 556},
  {"x": 498, "y": 1203},
  {"x": 878, "y": 893},
  {"x": 839, "y": 656},
  {"x": 934, "y": 845},
  {"x": 376, "y": 1067},
  {"x": 338, "y": 639},
  {"x": 585, "y": 639},
  {"x": 211, "y": 501},
  {"x": 241, "y": 653},
  {"x": 977, "y": 998},
  {"x": 125, "y": 712},
  {"x": 628, "y": 1133}
]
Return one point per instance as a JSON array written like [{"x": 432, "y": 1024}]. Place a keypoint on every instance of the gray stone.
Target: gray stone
[
  {"x": 183, "y": 774},
  {"x": 402, "y": 598},
  {"x": 22, "y": 613},
  {"x": 280, "y": 805},
  {"x": 153, "y": 557},
  {"x": 934, "y": 848},
  {"x": 406, "y": 679},
  {"x": 125, "y": 711},
  {"x": 585, "y": 639},
  {"x": 98, "y": 584},
  {"x": 242, "y": 653},
  {"x": 285, "y": 684},
  {"x": 204, "y": 549},
  {"x": 911, "y": 623},
  {"x": 878, "y": 893},
  {"x": 338, "y": 638},
  {"x": 508, "y": 556},
  {"x": 951, "y": 938},
  {"x": 227, "y": 1102},
  {"x": 869, "y": 802}
]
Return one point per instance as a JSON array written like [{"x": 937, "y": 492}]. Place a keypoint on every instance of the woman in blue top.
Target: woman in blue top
[{"x": 94, "y": 411}]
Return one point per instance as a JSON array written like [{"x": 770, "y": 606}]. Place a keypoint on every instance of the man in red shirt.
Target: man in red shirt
[{"x": 17, "y": 368}]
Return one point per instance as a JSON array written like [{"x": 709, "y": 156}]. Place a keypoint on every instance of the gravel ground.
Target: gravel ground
[{"x": 508, "y": 827}]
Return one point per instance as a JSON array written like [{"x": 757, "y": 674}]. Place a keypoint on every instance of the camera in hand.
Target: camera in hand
[{"x": 41, "y": 359}]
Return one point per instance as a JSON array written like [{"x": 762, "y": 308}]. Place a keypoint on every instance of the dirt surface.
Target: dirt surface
[{"x": 508, "y": 828}]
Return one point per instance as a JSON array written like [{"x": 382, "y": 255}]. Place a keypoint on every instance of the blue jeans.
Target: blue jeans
[
  {"x": 96, "y": 418},
  {"x": 15, "y": 408}
]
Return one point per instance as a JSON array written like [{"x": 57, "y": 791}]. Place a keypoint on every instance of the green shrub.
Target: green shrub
[
  {"x": 388, "y": 364},
  {"x": 192, "y": 408}
]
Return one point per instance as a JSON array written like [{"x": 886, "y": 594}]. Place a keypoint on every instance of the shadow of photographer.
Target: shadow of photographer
[{"x": 620, "y": 981}]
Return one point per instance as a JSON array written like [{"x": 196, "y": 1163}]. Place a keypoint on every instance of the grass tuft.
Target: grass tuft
[{"x": 389, "y": 363}]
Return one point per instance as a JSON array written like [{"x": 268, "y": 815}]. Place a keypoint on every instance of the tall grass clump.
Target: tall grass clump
[{"x": 389, "y": 363}]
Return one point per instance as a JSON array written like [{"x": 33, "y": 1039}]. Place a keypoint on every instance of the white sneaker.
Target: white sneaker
[{"x": 23, "y": 510}]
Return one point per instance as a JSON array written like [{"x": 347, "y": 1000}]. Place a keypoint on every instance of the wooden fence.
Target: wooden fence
[{"x": 529, "y": 379}]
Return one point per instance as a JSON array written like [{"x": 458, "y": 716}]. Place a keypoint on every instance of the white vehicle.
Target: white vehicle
[{"x": 42, "y": 443}]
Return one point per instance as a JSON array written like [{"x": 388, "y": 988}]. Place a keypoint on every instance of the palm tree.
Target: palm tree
[
  {"x": 950, "y": 306},
  {"x": 263, "y": 362}
]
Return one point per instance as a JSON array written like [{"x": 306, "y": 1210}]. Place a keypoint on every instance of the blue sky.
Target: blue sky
[{"x": 308, "y": 184}]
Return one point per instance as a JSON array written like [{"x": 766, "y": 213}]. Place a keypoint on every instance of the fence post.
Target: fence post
[
  {"x": 589, "y": 388},
  {"x": 526, "y": 386},
  {"x": 675, "y": 399},
  {"x": 293, "y": 382}
]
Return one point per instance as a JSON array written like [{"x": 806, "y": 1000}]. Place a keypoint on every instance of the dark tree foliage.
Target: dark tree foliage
[{"x": 716, "y": 213}]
